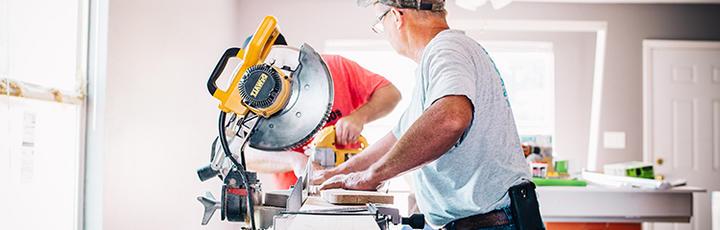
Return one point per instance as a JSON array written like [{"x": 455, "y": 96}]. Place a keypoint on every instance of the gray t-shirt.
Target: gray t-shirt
[{"x": 472, "y": 177}]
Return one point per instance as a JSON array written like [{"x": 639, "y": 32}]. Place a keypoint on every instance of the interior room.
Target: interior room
[{"x": 360, "y": 114}]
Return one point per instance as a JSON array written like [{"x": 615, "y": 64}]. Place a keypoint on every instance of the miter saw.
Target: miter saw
[{"x": 279, "y": 97}]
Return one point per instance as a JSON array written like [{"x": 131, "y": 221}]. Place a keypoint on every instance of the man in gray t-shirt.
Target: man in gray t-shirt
[{"x": 458, "y": 131}]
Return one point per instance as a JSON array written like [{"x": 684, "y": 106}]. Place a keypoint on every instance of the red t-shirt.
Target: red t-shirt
[{"x": 353, "y": 86}]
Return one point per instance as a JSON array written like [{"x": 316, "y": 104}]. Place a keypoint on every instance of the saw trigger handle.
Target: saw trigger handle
[{"x": 211, "y": 84}]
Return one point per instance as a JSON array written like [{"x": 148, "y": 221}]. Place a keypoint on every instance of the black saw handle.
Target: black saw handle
[{"x": 229, "y": 53}]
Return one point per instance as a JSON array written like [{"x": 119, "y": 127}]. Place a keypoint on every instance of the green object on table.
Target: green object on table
[
  {"x": 561, "y": 166},
  {"x": 632, "y": 169},
  {"x": 641, "y": 172},
  {"x": 559, "y": 182}
]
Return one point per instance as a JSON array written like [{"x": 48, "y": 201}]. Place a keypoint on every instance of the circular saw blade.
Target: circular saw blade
[{"x": 308, "y": 107}]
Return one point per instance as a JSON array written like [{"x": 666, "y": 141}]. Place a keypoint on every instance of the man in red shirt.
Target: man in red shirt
[{"x": 360, "y": 96}]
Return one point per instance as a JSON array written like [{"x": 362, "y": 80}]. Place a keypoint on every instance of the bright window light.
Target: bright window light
[
  {"x": 42, "y": 165},
  {"x": 528, "y": 71},
  {"x": 43, "y": 45},
  {"x": 42, "y": 60}
]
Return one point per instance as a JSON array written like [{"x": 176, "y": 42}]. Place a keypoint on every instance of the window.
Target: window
[
  {"x": 527, "y": 68},
  {"x": 42, "y": 75}
]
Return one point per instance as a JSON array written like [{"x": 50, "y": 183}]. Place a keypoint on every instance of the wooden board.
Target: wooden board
[{"x": 341, "y": 196}]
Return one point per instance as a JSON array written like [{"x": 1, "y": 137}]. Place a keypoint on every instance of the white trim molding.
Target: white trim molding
[
  {"x": 597, "y": 95},
  {"x": 95, "y": 113}
]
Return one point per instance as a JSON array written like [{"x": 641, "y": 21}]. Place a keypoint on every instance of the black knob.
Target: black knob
[
  {"x": 207, "y": 173},
  {"x": 415, "y": 221}
]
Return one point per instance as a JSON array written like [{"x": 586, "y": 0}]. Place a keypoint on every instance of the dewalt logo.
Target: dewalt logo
[{"x": 258, "y": 85}]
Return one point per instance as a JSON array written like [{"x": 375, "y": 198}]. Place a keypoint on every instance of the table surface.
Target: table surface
[
  {"x": 597, "y": 188},
  {"x": 616, "y": 204}
]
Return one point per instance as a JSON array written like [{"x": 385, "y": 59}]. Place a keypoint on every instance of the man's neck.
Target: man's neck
[{"x": 418, "y": 38}]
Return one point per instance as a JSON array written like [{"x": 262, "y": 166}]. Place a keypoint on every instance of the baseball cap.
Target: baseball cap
[{"x": 432, "y": 5}]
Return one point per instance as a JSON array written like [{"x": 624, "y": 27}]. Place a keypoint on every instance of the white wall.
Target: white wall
[{"x": 159, "y": 117}]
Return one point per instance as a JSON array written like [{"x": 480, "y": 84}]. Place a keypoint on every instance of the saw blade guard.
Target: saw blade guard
[{"x": 308, "y": 106}]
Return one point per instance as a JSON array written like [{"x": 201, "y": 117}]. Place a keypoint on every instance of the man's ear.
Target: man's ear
[{"x": 398, "y": 16}]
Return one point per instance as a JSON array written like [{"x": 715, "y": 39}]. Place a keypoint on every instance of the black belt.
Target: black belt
[{"x": 485, "y": 220}]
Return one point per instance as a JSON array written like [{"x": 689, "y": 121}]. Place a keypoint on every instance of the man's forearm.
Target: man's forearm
[
  {"x": 435, "y": 132},
  {"x": 381, "y": 102},
  {"x": 272, "y": 162},
  {"x": 372, "y": 154}
]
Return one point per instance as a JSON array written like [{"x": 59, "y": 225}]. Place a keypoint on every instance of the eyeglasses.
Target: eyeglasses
[{"x": 378, "y": 27}]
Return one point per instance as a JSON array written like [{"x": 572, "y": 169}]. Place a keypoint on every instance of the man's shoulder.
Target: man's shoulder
[
  {"x": 332, "y": 58},
  {"x": 451, "y": 45},
  {"x": 452, "y": 39},
  {"x": 338, "y": 62},
  {"x": 447, "y": 49}
]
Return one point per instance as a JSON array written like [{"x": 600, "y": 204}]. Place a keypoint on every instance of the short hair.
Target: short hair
[{"x": 427, "y": 14}]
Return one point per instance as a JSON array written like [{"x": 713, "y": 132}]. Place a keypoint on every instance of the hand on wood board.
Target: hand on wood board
[{"x": 353, "y": 181}]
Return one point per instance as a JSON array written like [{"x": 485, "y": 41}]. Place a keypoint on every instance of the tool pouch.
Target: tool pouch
[{"x": 525, "y": 208}]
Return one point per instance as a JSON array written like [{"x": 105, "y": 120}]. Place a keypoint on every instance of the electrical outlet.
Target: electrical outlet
[{"x": 614, "y": 140}]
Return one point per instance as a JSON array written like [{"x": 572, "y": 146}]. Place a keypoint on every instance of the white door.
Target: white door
[{"x": 682, "y": 118}]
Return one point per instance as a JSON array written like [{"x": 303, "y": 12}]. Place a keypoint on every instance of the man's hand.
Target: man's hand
[
  {"x": 298, "y": 164},
  {"x": 353, "y": 181},
  {"x": 322, "y": 175},
  {"x": 348, "y": 129}
]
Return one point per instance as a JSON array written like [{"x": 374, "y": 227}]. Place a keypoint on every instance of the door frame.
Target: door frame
[
  {"x": 91, "y": 197},
  {"x": 649, "y": 45}
]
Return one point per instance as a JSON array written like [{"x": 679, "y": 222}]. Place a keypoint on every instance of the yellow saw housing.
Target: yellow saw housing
[{"x": 326, "y": 152}]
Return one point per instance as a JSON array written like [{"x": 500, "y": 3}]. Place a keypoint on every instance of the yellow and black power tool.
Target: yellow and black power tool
[
  {"x": 279, "y": 97},
  {"x": 328, "y": 154}
]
